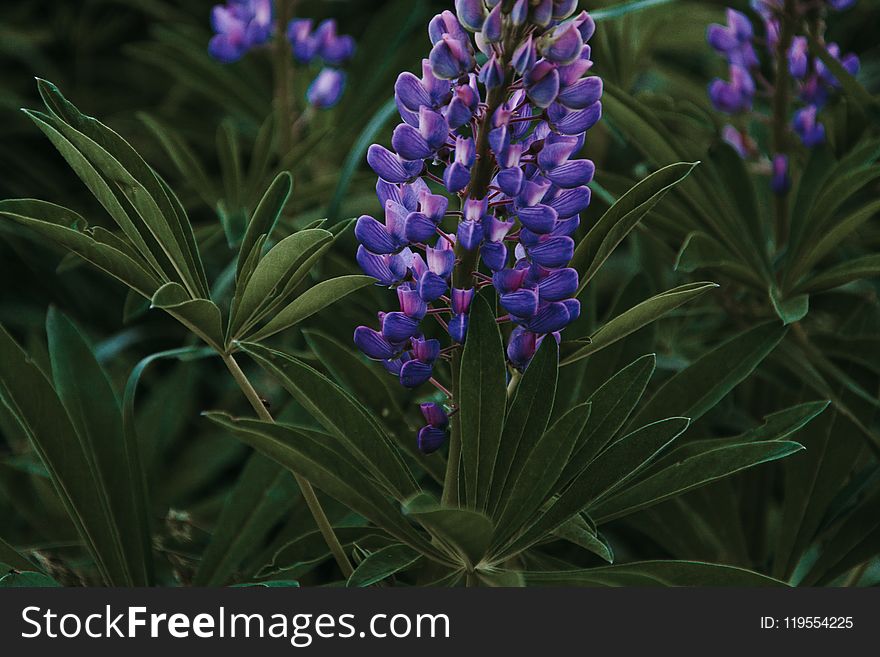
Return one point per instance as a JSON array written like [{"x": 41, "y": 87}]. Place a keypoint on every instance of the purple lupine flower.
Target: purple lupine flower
[
  {"x": 810, "y": 78},
  {"x": 322, "y": 44},
  {"x": 239, "y": 25},
  {"x": 503, "y": 139},
  {"x": 804, "y": 123},
  {"x": 780, "y": 182},
  {"x": 433, "y": 434},
  {"x": 326, "y": 89}
]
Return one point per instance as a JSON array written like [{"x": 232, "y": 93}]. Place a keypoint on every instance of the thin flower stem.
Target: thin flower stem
[
  {"x": 283, "y": 79},
  {"x": 434, "y": 382},
  {"x": 780, "y": 113},
  {"x": 305, "y": 487}
]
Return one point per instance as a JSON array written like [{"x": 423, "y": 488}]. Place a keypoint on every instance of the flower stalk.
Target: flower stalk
[{"x": 308, "y": 492}]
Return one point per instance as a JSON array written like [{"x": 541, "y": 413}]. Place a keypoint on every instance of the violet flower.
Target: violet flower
[
  {"x": 812, "y": 83},
  {"x": 239, "y": 26},
  {"x": 501, "y": 142}
]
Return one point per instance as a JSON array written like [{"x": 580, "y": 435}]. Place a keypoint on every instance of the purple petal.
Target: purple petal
[
  {"x": 573, "y": 173},
  {"x": 461, "y": 300},
  {"x": 458, "y": 325},
  {"x": 419, "y": 228},
  {"x": 494, "y": 255},
  {"x": 552, "y": 253},
  {"x": 431, "y": 286},
  {"x": 430, "y": 439},
  {"x": 409, "y": 143},
  {"x": 414, "y": 373},
  {"x": 552, "y": 317},
  {"x": 373, "y": 235},
  {"x": 569, "y": 202},
  {"x": 522, "y": 303},
  {"x": 538, "y": 219},
  {"x": 582, "y": 93},
  {"x": 434, "y": 414},
  {"x": 398, "y": 327},
  {"x": 469, "y": 234},
  {"x": 390, "y": 167},
  {"x": 426, "y": 351},
  {"x": 558, "y": 285},
  {"x": 456, "y": 177},
  {"x": 372, "y": 344},
  {"x": 376, "y": 266}
]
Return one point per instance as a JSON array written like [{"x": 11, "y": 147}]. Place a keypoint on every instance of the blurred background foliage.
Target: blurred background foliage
[{"x": 221, "y": 515}]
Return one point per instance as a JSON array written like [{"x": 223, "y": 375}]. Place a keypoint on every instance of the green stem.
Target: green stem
[
  {"x": 781, "y": 102},
  {"x": 305, "y": 487},
  {"x": 283, "y": 78},
  {"x": 466, "y": 263}
]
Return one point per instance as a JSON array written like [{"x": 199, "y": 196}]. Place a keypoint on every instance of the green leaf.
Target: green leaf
[
  {"x": 817, "y": 249},
  {"x": 624, "y": 8},
  {"x": 612, "y": 403},
  {"x": 812, "y": 479},
  {"x": 27, "y": 580},
  {"x": 382, "y": 564},
  {"x": 200, "y": 316},
  {"x": 790, "y": 309},
  {"x": 117, "y": 161},
  {"x": 699, "y": 251},
  {"x": 538, "y": 478},
  {"x": 655, "y": 573},
  {"x": 342, "y": 416},
  {"x": 845, "y": 272},
  {"x": 39, "y": 415},
  {"x": 95, "y": 412},
  {"x": 618, "y": 463},
  {"x": 697, "y": 388},
  {"x": 622, "y": 217},
  {"x": 262, "y": 496},
  {"x": 482, "y": 399},
  {"x": 525, "y": 423},
  {"x": 854, "y": 543},
  {"x": 462, "y": 532},
  {"x": 68, "y": 229},
  {"x": 265, "y": 217},
  {"x": 689, "y": 474},
  {"x": 311, "y": 548},
  {"x": 283, "y": 267},
  {"x": 312, "y": 301},
  {"x": 638, "y": 316},
  {"x": 579, "y": 532},
  {"x": 318, "y": 459},
  {"x": 13, "y": 558}
]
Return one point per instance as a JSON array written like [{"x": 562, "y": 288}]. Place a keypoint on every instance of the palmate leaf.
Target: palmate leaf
[
  {"x": 699, "y": 251},
  {"x": 265, "y": 217},
  {"x": 312, "y": 301},
  {"x": 130, "y": 180},
  {"x": 846, "y": 272},
  {"x": 262, "y": 496},
  {"x": 654, "y": 573},
  {"x": 323, "y": 462},
  {"x": 310, "y": 548},
  {"x": 812, "y": 479},
  {"x": 77, "y": 465},
  {"x": 464, "y": 533},
  {"x": 697, "y": 388},
  {"x": 384, "y": 563},
  {"x": 525, "y": 422},
  {"x": 855, "y": 542},
  {"x": 637, "y": 317},
  {"x": 582, "y": 533},
  {"x": 200, "y": 316},
  {"x": 622, "y": 217},
  {"x": 342, "y": 416},
  {"x": 611, "y": 405},
  {"x": 274, "y": 277},
  {"x": 538, "y": 477},
  {"x": 483, "y": 397},
  {"x": 70, "y": 230},
  {"x": 612, "y": 467},
  {"x": 690, "y": 473}
]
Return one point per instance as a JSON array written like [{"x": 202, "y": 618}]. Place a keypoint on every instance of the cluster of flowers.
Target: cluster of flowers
[
  {"x": 241, "y": 25},
  {"x": 812, "y": 79},
  {"x": 501, "y": 138}
]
